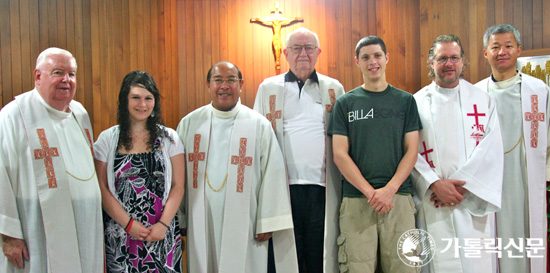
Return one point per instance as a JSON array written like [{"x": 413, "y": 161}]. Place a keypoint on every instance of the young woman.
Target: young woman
[{"x": 140, "y": 167}]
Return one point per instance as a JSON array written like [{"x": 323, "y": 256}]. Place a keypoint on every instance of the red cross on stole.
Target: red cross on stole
[
  {"x": 332, "y": 96},
  {"x": 195, "y": 157},
  {"x": 273, "y": 114},
  {"x": 534, "y": 117},
  {"x": 241, "y": 160},
  {"x": 425, "y": 154},
  {"x": 46, "y": 153},
  {"x": 479, "y": 130}
]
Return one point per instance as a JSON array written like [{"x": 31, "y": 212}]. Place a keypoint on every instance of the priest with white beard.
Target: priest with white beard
[
  {"x": 50, "y": 202},
  {"x": 523, "y": 108},
  {"x": 237, "y": 193},
  {"x": 457, "y": 179}
]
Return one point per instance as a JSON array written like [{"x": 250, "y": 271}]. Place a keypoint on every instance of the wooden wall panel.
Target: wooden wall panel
[
  {"x": 107, "y": 38},
  {"x": 216, "y": 30},
  {"x": 440, "y": 17},
  {"x": 178, "y": 40}
]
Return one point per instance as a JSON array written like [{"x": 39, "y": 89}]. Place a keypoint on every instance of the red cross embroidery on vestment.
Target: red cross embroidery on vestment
[
  {"x": 46, "y": 153},
  {"x": 332, "y": 95},
  {"x": 534, "y": 117},
  {"x": 425, "y": 154},
  {"x": 195, "y": 157},
  {"x": 90, "y": 140},
  {"x": 273, "y": 114},
  {"x": 242, "y": 160},
  {"x": 479, "y": 131}
]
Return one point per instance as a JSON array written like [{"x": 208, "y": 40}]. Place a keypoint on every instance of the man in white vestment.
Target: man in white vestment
[
  {"x": 237, "y": 195},
  {"x": 50, "y": 203},
  {"x": 299, "y": 105},
  {"x": 523, "y": 108},
  {"x": 457, "y": 179}
]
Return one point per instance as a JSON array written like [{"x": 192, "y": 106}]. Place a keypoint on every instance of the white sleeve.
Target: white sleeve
[
  {"x": 483, "y": 171},
  {"x": 10, "y": 223},
  {"x": 175, "y": 147},
  {"x": 101, "y": 146},
  {"x": 423, "y": 177}
]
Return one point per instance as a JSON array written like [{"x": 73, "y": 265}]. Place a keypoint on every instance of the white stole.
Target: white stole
[
  {"x": 535, "y": 139},
  {"x": 52, "y": 181},
  {"x": 240, "y": 176},
  {"x": 439, "y": 221}
]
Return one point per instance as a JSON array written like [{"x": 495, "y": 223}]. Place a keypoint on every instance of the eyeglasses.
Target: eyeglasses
[
  {"x": 230, "y": 81},
  {"x": 297, "y": 48},
  {"x": 454, "y": 59}
]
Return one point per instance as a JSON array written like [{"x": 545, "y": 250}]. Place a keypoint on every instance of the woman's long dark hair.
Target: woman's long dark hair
[{"x": 144, "y": 80}]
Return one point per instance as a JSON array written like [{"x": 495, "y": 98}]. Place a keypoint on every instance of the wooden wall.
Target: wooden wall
[
  {"x": 107, "y": 38},
  {"x": 216, "y": 30},
  {"x": 178, "y": 40},
  {"x": 469, "y": 19}
]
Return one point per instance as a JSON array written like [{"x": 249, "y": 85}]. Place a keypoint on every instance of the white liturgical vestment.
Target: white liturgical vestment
[
  {"x": 223, "y": 217},
  {"x": 49, "y": 193},
  {"x": 523, "y": 108},
  {"x": 460, "y": 140}
]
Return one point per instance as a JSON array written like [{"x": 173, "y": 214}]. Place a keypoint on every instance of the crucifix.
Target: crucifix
[{"x": 276, "y": 22}]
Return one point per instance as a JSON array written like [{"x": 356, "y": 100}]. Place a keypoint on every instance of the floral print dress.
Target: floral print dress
[{"x": 140, "y": 187}]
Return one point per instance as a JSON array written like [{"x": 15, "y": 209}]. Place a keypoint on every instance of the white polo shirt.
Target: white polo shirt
[{"x": 304, "y": 132}]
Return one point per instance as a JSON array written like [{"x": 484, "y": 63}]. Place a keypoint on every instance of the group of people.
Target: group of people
[{"x": 312, "y": 180}]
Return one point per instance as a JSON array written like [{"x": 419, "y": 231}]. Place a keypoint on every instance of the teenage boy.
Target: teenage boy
[{"x": 375, "y": 141}]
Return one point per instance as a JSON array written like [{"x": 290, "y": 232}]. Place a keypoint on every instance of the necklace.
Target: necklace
[
  {"x": 81, "y": 179},
  {"x": 519, "y": 141},
  {"x": 209, "y": 185}
]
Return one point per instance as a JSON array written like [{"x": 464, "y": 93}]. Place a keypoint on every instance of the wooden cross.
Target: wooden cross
[
  {"x": 46, "y": 153},
  {"x": 273, "y": 114},
  {"x": 276, "y": 23},
  {"x": 534, "y": 117},
  {"x": 242, "y": 160},
  {"x": 195, "y": 157}
]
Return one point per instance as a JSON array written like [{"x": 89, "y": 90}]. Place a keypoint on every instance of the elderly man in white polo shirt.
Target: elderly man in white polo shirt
[{"x": 299, "y": 105}]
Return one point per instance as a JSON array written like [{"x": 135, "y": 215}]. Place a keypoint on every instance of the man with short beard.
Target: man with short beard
[{"x": 457, "y": 178}]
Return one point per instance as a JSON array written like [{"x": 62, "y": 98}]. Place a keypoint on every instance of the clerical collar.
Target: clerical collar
[
  {"x": 290, "y": 77},
  {"x": 226, "y": 114},
  {"x": 55, "y": 112}
]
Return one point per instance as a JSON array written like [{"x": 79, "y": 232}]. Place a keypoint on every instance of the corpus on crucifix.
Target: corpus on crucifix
[{"x": 276, "y": 22}]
